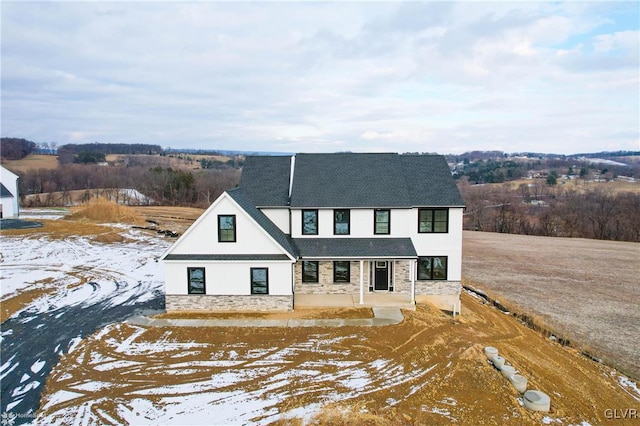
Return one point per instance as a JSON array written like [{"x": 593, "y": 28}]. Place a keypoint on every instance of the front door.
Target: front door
[{"x": 381, "y": 276}]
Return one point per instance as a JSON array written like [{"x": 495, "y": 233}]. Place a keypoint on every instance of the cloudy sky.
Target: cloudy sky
[{"x": 443, "y": 77}]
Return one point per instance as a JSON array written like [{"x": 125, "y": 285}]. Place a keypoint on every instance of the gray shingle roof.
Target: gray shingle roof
[
  {"x": 266, "y": 180},
  {"x": 240, "y": 197},
  {"x": 355, "y": 247},
  {"x": 429, "y": 181},
  {"x": 4, "y": 192},
  {"x": 348, "y": 180},
  {"x": 351, "y": 180}
]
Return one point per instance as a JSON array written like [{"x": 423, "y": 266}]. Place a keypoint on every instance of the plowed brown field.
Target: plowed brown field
[{"x": 587, "y": 291}]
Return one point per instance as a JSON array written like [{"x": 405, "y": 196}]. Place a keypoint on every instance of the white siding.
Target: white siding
[
  {"x": 449, "y": 244},
  {"x": 6, "y": 208},
  {"x": 280, "y": 217},
  {"x": 229, "y": 278},
  {"x": 9, "y": 204},
  {"x": 202, "y": 236},
  {"x": 404, "y": 224}
]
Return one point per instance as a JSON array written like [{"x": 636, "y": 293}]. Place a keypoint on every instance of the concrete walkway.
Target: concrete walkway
[
  {"x": 380, "y": 299},
  {"x": 381, "y": 316}
]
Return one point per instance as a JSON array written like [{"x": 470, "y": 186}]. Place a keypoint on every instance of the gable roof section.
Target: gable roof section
[
  {"x": 265, "y": 180},
  {"x": 4, "y": 192},
  {"x": 240, "y": 197},
  {"x": 355, "y": 247},
  {"x": 429, "y": 181}
]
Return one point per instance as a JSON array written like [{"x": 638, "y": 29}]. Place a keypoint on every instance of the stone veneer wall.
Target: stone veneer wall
[
  {"x": 402, "y": 277},
  {"x": 443, "y": 295},
  {"x": 438, "y": 288},
  {"x": 325, "y": 284},
  {"x": 199, "y": 302}
]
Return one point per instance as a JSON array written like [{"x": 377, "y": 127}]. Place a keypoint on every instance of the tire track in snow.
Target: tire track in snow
[{"x": 96, "y": 284}]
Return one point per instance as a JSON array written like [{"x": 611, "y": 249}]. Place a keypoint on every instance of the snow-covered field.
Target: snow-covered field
[{"x": 75, "y": 287}]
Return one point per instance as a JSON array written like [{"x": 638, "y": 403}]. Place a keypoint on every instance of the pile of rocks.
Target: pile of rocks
[{"x": 533, "y": 399}]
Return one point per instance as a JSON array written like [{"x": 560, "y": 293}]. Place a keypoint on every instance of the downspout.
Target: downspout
[
  {"x": 361, "y": 282},
  {"x": 293, "y": 265},
  {"x": 412, "y": 276},
  {"x": 293, "y": 286}
]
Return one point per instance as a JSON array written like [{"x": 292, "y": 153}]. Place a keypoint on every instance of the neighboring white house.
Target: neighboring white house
[
  {"x": 8, "y": 194},
  {"x": 340, "y": 223}
]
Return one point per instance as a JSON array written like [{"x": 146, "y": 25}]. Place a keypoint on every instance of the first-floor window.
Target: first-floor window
[
  {"x": 341, "y": 271},
  {"x": 195, "y": 281},
  {"x": 259, "y": 281},
  {"x": 432, "y": 268},
  {"x": 309, "y": 271}
]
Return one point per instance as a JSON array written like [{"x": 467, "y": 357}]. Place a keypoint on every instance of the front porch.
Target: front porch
[{"x": 395, "y": 300}]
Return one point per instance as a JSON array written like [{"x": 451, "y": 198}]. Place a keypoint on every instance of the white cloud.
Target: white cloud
[
  {"x": 322, "y": 76},
  {"x": 623, "y": 40}
]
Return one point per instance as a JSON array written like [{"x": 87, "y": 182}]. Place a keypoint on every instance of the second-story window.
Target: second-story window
[
  {"x": 341, "y": 222},
  {"x": 227, "y": 228},
  {"x": 382, "y": 222},
  {"x": 433, "y": 220},
  {"x": 309, "y": 222}
]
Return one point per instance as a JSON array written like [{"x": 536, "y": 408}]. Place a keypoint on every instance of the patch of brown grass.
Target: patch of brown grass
[
  {"x": 19, "y": 301},
  {"x": 344, "y": 415},
  {"x": 32, "y": 161},
  {"x": 62, "y": 229},
  {"x": 104, "y": 211}
]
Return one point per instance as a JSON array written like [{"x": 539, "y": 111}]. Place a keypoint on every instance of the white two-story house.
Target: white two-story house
[{"x": 341, "y": 223}]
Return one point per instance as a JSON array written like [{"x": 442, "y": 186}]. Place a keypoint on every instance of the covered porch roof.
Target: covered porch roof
[{"x": 355, "y": 248}]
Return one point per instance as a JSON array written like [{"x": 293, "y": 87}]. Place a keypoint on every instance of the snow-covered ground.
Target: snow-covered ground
[
  {"x": 75, "y": 287},
  {"x": 215, "y": 383}
]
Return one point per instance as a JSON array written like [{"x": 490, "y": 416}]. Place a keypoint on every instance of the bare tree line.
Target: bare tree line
[
  {"x": 537, "y": 209},
  {"x": 540, "y": 209},
  {"x": 161, "y": 185}
]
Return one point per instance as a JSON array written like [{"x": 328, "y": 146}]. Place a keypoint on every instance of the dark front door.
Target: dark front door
[{"x": 381, "y": 276}]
